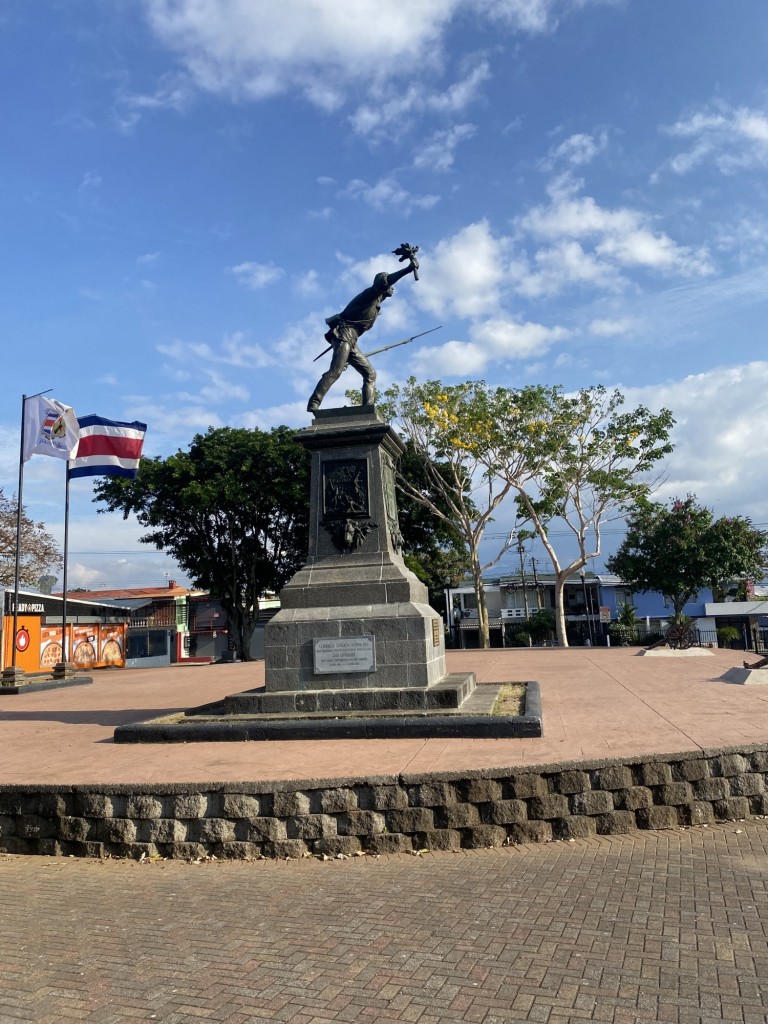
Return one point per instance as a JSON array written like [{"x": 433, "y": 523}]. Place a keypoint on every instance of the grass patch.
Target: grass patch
[{"x": 511, "y": 700}]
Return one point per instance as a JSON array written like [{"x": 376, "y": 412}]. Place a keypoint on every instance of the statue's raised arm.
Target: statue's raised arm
[{"x": 357, "y": 317}]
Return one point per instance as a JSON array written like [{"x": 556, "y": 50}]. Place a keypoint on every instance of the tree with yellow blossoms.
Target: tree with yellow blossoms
[
  {"x": 468, "y": 462},
  {"x": 577, "y": 460}
]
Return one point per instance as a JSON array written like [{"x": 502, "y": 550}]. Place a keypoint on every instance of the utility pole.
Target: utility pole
[
  {"x": 587, "y": 607},
  {"x": 522, "y": 580}
]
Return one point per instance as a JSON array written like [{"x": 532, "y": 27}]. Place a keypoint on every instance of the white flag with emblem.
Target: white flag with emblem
[{"x": 50, "y": 428}]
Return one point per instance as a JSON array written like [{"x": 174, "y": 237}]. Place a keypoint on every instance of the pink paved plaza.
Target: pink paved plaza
[{"x": 597, "y": 703}]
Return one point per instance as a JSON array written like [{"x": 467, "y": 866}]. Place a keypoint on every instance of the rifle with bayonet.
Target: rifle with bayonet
[{"x": 386, "y": 348}]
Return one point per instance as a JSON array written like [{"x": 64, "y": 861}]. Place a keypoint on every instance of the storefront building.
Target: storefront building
[{"x": 95, "y": 632}]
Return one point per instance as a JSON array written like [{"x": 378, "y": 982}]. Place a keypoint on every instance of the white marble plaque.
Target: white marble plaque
[{"x": 344, "y": 654}]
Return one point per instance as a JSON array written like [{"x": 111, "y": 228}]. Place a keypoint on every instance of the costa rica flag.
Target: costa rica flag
[{"x": 107, "y": 447}]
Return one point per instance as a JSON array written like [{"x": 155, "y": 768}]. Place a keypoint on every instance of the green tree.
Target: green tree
[
  {"x": 627, "y": 615},
  {"x": 624, "y": 630},
  {"x": 39, "y": 550},
  {"x": 541, "y": 625},
  {"x": 232, "y": 510},
  {"x": 464, "y": 463},
  {"x": 680, "y": 549},
  {"x": 577, "y": 459},
  {"x": 583, "y": 462}
]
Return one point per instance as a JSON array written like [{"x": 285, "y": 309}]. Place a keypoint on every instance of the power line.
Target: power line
[{"x": 111, "y": 551}]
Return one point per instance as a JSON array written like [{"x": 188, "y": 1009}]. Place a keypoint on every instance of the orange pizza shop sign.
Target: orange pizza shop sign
[{"x": 39, "y": 647}]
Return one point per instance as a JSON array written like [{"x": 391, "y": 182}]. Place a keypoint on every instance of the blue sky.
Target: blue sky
[{"x": 192, "y": 186}]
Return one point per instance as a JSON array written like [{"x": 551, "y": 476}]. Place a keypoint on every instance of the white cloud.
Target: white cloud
[
  {"x": 76, "y": 120},
  {"x": 507, "y": 339},
  {"x": 466, "y": 273},
  {"x": 561, "y": 265},
  {"x": 533, "y": 369},
  {"x": 235, "y": 350},
  {"x": 745, "y": 236},
  {"x": 569, "y": 241},
  {"x": 174, "y": 92},
  {"x": 453, "y": 359},
  {"x": 147, "y": 258},
  {"x": 528, "y": 15},
  {"x": 387, "y": 194},
  {"x": 324, "y": 50},
  {"x": 612, "y": 328},
  {"x": 260, "y": 50},
  {"x": 731, "y": 138},
  {"x": 493, "y": 340},
  {"x": 89, "y": 184},
  {"x": 390, "y": 111},
  {"x": 617, "y": 239},
  {"x": 172, "y": 420},
  {"x": 292, "y": 414},
  {"x": 257, "y": 275},
  {"x": 533, "y": 16},
  {"x": 720, "y": 441},
  {"x": 218, "y": 391},
  {"x": 577, "y": 150},
  {"x": 438, "y": 153},
  {"x": 300, "y": 342},
  {"x": 308, "y": 284}
]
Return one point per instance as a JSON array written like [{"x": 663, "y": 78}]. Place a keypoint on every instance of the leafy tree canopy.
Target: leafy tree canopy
[
  {"x": 578, "y": 459},
  {"x": 452, "y": 434},
  {"x": 585, "y": 462},
  {"x": 680, "y": 549},
  {"x": 39, "y": 551},
  {"x": 232, "y": 510}
]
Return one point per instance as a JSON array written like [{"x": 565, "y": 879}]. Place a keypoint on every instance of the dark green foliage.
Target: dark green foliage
[
  {"x": 727, "y": 635},
  {"x": 541, "y": 625},
  {"x": 681, "y": 549},
  {"x": 232, "y": 510},
  {"x": 621, "y": 635}
]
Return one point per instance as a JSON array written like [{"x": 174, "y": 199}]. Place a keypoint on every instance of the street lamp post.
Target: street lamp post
[
  {"x": 522, "y": 583},
  {"x": 536, "y": 585},
  {"x": 586, "y": 607}
]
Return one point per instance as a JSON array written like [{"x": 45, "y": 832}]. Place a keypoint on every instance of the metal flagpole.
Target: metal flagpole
[
  {"x": 18, "y": 537},
  {"x": 17, "y": 573},
  {"x": 60, "y": 670}
]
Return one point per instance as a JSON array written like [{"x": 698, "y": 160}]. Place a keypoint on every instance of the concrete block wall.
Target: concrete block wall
[{"x": 386, "y": 814}]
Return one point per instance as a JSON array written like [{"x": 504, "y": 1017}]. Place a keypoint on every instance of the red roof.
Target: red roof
[{"x": 131, "y": 593}]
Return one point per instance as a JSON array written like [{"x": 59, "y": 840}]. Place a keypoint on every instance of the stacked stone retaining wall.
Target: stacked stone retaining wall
[{"x": 386, "y": 814}]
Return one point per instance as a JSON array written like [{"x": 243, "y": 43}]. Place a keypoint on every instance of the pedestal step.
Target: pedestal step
[{"x": 450, "y": 693}]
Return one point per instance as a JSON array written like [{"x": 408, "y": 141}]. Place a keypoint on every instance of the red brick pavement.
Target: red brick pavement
[
  {"x": 664, "y": 926},
  {"x": 597, "y": 703}
]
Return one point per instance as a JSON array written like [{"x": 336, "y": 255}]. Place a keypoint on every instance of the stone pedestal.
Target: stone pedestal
[
  {"x": 355, "y": 619},
  {"x": 13, "y": 676},
  {"x": 355, "y": 651}
]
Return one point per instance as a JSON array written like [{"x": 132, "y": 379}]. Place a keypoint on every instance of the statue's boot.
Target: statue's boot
[{"x": 322, "y": 389}]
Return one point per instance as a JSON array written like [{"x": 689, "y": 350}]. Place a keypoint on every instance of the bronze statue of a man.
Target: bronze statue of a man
[{"x": 356, "y": 318}]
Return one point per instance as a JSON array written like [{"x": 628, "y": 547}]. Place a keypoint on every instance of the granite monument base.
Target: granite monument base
[
  {"x": 356, "y": 649},
  {"x": 224, "y": 721}
]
